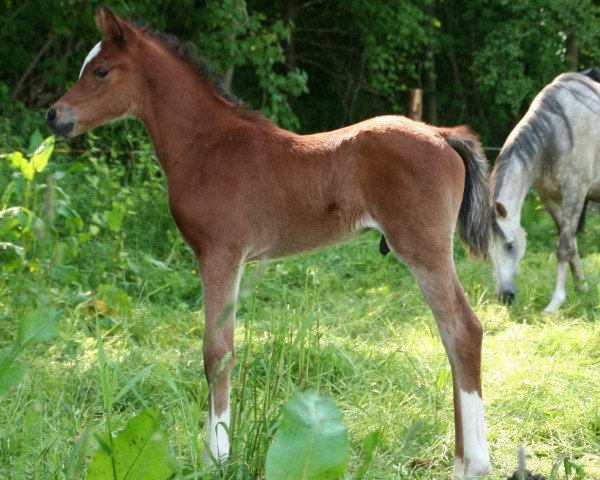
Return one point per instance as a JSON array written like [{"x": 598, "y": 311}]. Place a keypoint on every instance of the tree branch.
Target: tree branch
[{"x": 31, "y": 66}]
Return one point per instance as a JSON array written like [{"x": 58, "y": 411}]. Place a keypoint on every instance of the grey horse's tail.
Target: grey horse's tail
[{"x": 474, "y": 216}]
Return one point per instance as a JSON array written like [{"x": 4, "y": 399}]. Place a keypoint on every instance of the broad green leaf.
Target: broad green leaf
[
  {"x": 40, "y": 325},
  {"x": 140, "y": 452},
  {"x": 111, "y": 300},
  {"x": 20, "y": 251},
  {"x": 114, "y": 217},
  {"x": 64, "y": 274},
  {"x": 8, "y": 355},
  {"x": 42, "y": 154},
  {"x": 17, "y": 160},
  {"x": 35, "y": 141},
  {"x": 369, "y": 445},
  {"x": 10, "y": 374},
  {"x": 311, "y": 443}
]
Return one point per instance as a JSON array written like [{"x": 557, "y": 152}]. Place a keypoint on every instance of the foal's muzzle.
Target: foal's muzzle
[{"x": 60, "y": 120}]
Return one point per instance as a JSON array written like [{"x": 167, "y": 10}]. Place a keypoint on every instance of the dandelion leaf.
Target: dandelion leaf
[{"x": 139, "y": 452}]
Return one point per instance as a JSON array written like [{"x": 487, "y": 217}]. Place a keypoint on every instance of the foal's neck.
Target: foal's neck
[{"x": 181, "y": 110}]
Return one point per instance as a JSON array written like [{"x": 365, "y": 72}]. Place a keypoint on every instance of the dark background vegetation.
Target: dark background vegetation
[
  {"x": 88, "y": 241},
  {"x": 319, "y": 64}
]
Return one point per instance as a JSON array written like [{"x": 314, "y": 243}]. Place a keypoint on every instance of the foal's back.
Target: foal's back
[{"x": 325, "y": 187}]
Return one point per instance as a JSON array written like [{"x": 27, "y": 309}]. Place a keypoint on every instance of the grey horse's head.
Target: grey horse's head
[{"x": 507, "y": 247}]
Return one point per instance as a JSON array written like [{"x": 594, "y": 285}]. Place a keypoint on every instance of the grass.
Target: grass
[{"x": 345, "y": 321}]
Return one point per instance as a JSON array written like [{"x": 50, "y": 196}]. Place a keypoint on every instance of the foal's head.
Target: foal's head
[{"x": 109, "y": 84}]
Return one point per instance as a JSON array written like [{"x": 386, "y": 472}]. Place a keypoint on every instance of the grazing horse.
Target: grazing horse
[
  {"x": 242, "y": 189},
  {"x": 555, "y": 147}
]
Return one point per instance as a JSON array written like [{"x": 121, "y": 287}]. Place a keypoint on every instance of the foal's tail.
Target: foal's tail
[{"x": 474, "y": 216}]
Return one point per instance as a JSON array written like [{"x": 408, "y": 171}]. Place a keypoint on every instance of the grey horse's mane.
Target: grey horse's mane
[{"x": 536, "y": 139}]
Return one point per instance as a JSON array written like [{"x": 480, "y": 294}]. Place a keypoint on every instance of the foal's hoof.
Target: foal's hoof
[
  {"x": 528, "y": 476},
  {"x": 474, "y": 469}
]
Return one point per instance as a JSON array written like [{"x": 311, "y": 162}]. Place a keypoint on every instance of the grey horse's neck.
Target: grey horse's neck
[{"x": 517, "y": 178}]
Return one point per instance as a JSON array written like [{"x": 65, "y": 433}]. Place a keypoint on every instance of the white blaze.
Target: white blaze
[
  {"x": 476, "y": 460},
  {"x": 90, "y": 56}
]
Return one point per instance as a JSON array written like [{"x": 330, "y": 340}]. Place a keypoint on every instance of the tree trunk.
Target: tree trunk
[
  {"x": 228, "y": 78},
  {"x": 429, "y": 82},
  {"x": 572, "y": 51},
  {"x": 290, "y": 47}
]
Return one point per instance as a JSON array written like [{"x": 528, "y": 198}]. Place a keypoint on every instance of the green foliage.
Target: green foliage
[
  {"x": 23, "y": 226},
  {"x": 139, "y": 452},
  {"x": 37, "y": 162},
  {"x": 311, "y": 442},
  {"x": 236, "y": 36},
  {"x": 395, "y": 51},
  {"x": 369, "y": 446},
  {"x": 573, "y": 470},
  {"x": 347, "y": 60},
  {"x": 38, "y": 326},
  {"x": 526, "y": 48}
]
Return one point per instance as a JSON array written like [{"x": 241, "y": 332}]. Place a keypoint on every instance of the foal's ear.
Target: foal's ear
[
  {"x": 500, "y": 210},
  {"x": 111, "y": 25}
]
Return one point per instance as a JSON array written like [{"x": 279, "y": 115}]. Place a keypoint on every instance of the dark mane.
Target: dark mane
[
  {"x": 536, "y": 140},
  {"x": 188, "y": 52}
]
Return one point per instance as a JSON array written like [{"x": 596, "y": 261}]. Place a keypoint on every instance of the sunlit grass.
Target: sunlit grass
[{"x": 371, "y": 344}]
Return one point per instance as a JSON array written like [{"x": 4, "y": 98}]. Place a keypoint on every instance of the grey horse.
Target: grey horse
[{"x": 556, "y": 147}]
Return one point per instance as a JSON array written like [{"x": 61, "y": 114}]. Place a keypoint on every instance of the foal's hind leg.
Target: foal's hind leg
[
  {"x": 462, "y": 335},
  {"x": 221, "y": 275}
]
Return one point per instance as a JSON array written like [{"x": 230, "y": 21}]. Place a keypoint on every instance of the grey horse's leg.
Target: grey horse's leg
[{"x": 566, "y": 217}]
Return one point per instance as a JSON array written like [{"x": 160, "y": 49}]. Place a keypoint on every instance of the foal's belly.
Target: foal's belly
[{"x": 302, "y": 237}]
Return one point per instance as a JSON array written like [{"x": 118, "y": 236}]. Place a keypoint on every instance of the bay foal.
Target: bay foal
[{"x": 241, "y": 189}]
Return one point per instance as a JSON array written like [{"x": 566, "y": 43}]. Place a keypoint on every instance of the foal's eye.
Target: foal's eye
[
  {"x": 100, "y": 72},
  {"x": 510, "y": 246}
]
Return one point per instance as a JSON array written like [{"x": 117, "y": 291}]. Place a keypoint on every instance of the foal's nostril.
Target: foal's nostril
[{"x": 51, "y": 116}]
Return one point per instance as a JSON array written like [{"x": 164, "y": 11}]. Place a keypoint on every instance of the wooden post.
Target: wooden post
[{"x": 415, "y": 104}]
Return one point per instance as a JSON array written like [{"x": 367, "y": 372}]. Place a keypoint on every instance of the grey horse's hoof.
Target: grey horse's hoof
[{"x": 528, "y": 476}]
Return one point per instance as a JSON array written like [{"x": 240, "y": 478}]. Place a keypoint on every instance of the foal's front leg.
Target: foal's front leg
[{"x": 221, "y": 275}]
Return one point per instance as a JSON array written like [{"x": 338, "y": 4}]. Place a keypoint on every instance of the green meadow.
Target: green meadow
[{"x": 101, "y": 253}]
